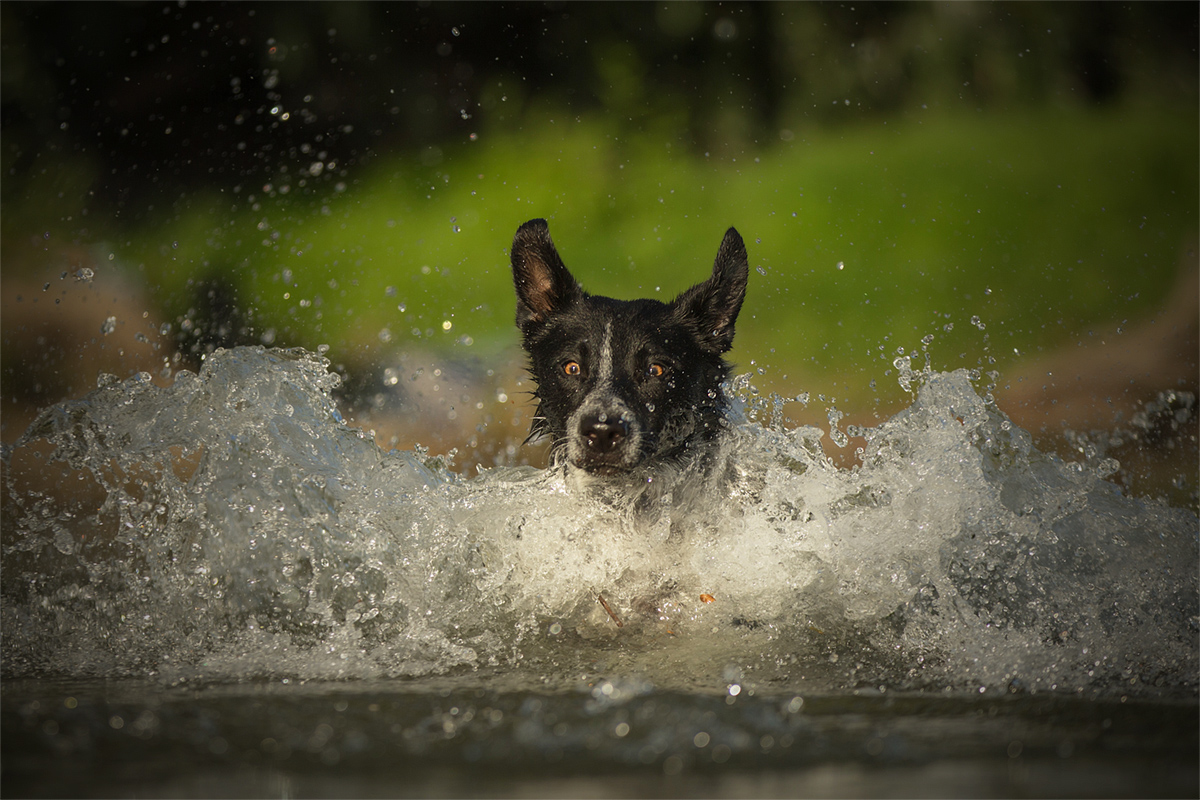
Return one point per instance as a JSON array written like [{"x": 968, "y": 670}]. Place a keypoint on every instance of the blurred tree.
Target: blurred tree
[{"x": 161, "y": 97}]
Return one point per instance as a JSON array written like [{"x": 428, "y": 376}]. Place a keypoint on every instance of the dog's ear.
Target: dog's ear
[
  {"x": 713, "y": 306},
  {"x": 542, "y": 281}
]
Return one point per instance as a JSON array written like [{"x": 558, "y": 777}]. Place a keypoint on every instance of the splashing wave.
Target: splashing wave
[{"x": 231, "y": 525}]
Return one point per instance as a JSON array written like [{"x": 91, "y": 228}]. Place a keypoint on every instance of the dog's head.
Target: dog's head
[{"x": 625, "y": 384}]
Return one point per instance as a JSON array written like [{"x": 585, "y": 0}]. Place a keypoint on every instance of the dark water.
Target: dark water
[
  {"x": 220, "y": 589},
  {"x": 414, "y": 738}
]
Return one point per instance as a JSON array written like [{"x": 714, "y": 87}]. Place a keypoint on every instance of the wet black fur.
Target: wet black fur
[{"x": 632, "y": 418}]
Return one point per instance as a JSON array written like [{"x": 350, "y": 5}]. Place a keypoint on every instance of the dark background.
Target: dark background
[{"x": 135, "y": 87}]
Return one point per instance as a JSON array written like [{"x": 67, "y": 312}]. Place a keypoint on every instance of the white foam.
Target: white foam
[{"x": 955, "y": 555}]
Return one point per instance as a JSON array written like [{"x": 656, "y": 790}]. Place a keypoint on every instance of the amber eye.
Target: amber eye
[
  {"x": 571, "y": 368},
  {"x": 655, "y": 370}
]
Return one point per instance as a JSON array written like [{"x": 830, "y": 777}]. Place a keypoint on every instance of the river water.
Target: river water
[{"x": 219, "y": 587}]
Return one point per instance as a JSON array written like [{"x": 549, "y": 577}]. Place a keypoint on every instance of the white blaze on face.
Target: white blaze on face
[
  {"x": 605, "y": 402},
  {"x": 604, "y": 365}
]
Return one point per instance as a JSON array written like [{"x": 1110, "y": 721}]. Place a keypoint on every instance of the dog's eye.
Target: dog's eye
[
  {"x": 572, "y": 368},
  {"x": 655, "y": 370}
]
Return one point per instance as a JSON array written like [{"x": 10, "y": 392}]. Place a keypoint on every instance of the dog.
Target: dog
[{"x": 626, "y": 389}]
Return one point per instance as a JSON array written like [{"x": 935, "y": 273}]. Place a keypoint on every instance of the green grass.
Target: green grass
[{"x": 862, "y": 240}]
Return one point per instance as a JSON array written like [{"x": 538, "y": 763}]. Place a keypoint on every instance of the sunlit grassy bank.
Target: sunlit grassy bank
[{"x": 1038, "y": 225}]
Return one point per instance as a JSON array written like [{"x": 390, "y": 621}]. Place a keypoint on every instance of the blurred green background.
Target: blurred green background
[{"x": 350, "y": 175}]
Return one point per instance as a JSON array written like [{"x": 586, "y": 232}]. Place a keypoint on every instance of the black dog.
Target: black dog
[{"x": 626, "y": 387}]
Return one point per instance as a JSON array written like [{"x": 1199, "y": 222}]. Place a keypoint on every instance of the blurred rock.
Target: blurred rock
[{"x": 68, "y": 320}]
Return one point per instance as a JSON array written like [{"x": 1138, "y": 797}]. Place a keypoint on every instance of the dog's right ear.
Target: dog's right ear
[{"x": 542, "y": 281}]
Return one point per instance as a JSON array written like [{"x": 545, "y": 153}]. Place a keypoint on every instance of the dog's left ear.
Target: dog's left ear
[
  {"x": 713, "y": 306},
  {"x": 542, "y": 281}
]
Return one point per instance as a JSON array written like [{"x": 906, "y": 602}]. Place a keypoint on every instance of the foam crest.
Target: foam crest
[{"x": 239, "y": 529}]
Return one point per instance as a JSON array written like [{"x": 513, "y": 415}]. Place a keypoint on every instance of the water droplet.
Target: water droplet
[
  {"x": 904, "y": 365},
  {"x": 64, "y": 542}
]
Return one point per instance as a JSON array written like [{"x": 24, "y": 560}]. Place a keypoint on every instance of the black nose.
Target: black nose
[{"x": 602, "y": 433}]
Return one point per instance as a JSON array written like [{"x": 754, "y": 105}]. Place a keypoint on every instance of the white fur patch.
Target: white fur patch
[{"x": 604, "y": 401}]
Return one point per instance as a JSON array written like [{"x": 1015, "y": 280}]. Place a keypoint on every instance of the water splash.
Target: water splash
[{"x": 233, "y": 526}]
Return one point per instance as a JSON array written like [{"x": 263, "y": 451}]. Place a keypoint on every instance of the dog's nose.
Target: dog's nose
[{"x": 603, "y": 434}]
